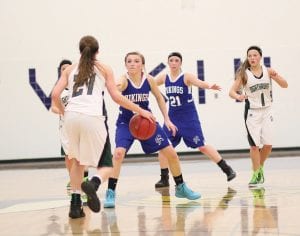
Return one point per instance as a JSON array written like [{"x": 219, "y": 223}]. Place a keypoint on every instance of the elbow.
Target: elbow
[
  {"x": 230, "y": 94},
  {"x": 54, "y": 95}
]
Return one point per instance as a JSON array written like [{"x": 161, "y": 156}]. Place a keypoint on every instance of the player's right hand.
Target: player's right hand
[{"x": 148, "y": 115}]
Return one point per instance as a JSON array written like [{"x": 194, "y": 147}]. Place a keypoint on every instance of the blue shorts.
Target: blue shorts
[
  {"x": 189, "y": 129},
  {"x": 157, "y": 142}
]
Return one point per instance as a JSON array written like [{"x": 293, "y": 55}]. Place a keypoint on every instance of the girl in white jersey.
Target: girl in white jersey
[
  {"x": 84, "y": 118},
  {"x": 62, "y": 131},
  {"x": 256, "y": 82}
]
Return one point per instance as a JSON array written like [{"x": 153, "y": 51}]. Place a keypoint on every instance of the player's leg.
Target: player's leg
[
  {"x": 163, "y": 161},
  {"x": 265, "y": 151},
  {"x": 267, "y": 134},
  {"x": 72, "y": 125},
  {"x": 123, "y": 140},
  {"x": 118, "y": 158},
  {"x": 215, "y": 156},
  {"x": 164, "y": 172},
  {"x": 253, "y": 127},
  {"x": 182, "y": 190},
  {"x": 193, "y": 137},
  {"x": 93, "y": 139},
  {"x": 76, "y": 175},
  {"x": 255, "y": 160}
]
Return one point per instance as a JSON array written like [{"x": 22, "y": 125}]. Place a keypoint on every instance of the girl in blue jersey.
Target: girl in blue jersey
[
  {"x": 255, "y": 80},
  {"x": 183, "y": 114},
  {"x": 85, "y": 119},
  {"x": 136, "y": 86}
]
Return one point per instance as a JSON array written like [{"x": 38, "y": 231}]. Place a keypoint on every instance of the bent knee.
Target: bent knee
[
  {"x": 202, "y": 149},
  {"x": 119, "y": 155},
  {"x": 254, "y": 148},
  {"x": 269, "y": 147}
]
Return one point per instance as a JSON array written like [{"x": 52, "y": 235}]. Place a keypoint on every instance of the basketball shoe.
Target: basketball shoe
[
  {"x": 89, "y": 188},
  {"x": 76, "y": 210},
  {"x": 110, "y": 198},
  {"x": 255, "y": 180},
  {"x": 183, "y": 191},
  {"x": 261, "y": 175},
  {"x": 163, "y": 182},
  {"x": 230, "y": 173}
]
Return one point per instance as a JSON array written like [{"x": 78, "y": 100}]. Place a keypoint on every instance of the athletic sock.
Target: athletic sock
[
  {"x": 96, "y": 181},
  {"x": 178, "y": 179},
  {"x": 164, "y": 171},
  {"x": 223, "y": 165},
  {"x": 112, "y": 183}
]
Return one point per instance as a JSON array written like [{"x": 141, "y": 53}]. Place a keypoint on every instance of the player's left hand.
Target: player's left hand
[
  {"x": 215, "y": 87},
  {"x": 171, "y": 127},
  {"x": 272, "y": 73}
]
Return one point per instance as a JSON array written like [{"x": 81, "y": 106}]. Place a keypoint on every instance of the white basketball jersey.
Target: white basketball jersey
[
  {"x": 259, "y": 90},
  {"x": 87, "y": 99}
]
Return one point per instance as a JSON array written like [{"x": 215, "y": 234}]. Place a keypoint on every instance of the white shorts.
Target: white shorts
[
  {"x": 63, "y": 135},
  {"x": 87, "y": 137},
  {"x": 259, "y": 124}
]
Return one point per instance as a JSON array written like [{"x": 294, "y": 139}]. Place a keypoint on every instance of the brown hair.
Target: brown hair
[
  {"x": 88, "y": 47},
  {"x": 241, "y": 71},
  {"x": 175, "y": 54}
]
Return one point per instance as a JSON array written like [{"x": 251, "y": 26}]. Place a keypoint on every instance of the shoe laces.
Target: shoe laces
[
  {"x": 186, "y": 189},
  {"x": 110, "y": 193},
  {"x": 255, "y": 176}
]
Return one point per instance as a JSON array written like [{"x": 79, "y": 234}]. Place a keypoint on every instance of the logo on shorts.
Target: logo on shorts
[
  {"x": 196, "y": 139},
  {"x": 159, "y": 139}
]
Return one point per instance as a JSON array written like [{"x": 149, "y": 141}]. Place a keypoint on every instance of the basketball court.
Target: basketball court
[{"x": 35, "y": 202}]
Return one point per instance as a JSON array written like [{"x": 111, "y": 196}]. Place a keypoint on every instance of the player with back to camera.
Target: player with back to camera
[
  {"x": 255, "y": 80},
  {"x": 62, "y": 131},
  {"x": 183, "y": 114},
  {"x": 84, "y": 118},
  {"x": 136, "y": 86}
]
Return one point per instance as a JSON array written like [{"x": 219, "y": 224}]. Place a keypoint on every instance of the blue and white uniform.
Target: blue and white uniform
[
  {"x": 140, "y": 96},
  {"x": 183, "y": 113},
  {"x": 258, "y": 114}
]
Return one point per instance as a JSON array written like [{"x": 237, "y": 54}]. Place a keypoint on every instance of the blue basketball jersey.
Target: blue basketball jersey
[
  {"x": 179, "y": 95},
  {"x": 138, "y": 95},
  {"x": 183, "y": 113}
]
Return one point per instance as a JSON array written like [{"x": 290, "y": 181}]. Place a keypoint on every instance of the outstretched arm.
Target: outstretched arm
[{"x": 191, "y": 79}]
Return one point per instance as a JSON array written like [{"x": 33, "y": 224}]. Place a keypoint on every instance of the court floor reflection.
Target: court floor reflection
[{"x": 41, "y": 207}]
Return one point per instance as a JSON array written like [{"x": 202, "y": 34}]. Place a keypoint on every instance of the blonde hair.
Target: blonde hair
[{"x": 137, "y": 54}]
